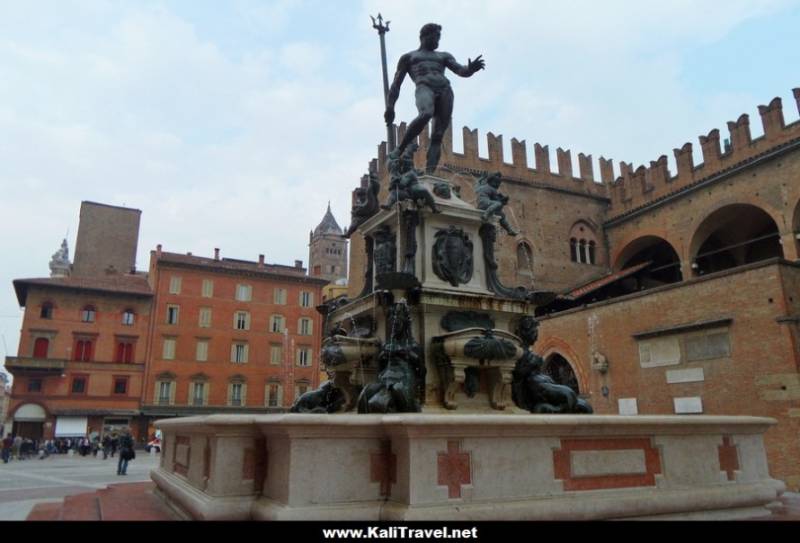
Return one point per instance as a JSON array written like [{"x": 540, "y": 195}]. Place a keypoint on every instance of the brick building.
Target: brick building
[
  {"x": 678, "y": 291},
  {"x": 230, "y": 335},
  {"x": 103, "y": 346},
  {"x": 80, "y": 363}
]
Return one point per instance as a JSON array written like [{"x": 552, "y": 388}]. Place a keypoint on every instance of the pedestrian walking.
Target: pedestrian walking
[
  {"x": 15, "y": 448},
  {"x": 126, "y": 452},
  {"x": 114, "y": 444},
  {"x": 106, "y": 446},
  {"x": 8, "y": 444}
]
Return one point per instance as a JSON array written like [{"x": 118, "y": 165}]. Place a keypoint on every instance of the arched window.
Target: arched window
[
  {"x": 88, "y": 313},
  {"x": 583, "y": 243}
]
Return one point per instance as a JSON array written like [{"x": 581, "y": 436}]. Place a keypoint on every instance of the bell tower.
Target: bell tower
[{"x": 327, "y": 254}]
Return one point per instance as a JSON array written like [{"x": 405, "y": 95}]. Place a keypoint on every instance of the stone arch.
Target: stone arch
[
  {"x": 664, "y": 262},
  {"x": 796, "y": 227},
  {"x": 524, "y": 257},
  {"x": 557, "y": 346},
  {"x": 560, "y": 370},
  {"x": 734, "y": 234},
  {"x": 30, "y": 410}
]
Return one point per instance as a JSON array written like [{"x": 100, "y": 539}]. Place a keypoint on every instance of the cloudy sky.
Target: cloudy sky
[{"x": 232, "y": 124}]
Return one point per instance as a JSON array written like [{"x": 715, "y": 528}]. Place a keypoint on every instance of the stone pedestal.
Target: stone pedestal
[
  {"x": 445, "y": 253},
  {"x": 465, "y": 467}
]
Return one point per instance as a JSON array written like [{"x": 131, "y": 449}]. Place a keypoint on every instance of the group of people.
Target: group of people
[{"x": 19, "y": 448}]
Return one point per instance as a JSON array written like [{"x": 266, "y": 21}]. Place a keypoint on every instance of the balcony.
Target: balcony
[{"x": 29, "y": 365}]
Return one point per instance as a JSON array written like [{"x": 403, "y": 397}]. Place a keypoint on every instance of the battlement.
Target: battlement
[
  {"x": 635, "y": 188},
  {"x": 518, "y": 169},
  {"x": 628, "y": 189}
]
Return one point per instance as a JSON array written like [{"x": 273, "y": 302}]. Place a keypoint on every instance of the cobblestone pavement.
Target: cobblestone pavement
[{"x": 24, "y": 483}]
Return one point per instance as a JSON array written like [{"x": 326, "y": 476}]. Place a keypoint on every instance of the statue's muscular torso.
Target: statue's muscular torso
[{"x": 427, "y": 68}]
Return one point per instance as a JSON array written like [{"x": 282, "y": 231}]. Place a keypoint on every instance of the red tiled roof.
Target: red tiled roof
[
  {"x": 136, "y": 285},
  {"x": 603, "y": 281},
  {"x": 235, "y": 265}
]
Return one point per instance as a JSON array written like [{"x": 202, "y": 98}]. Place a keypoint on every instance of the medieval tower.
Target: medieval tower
[{"x": 327, "y": 253}]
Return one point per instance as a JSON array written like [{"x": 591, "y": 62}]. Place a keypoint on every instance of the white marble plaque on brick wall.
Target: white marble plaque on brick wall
[
  {"x": 688, "y": 405},
  {"x": 628, "y": 406},
  {"x": 663, "y": 351},
  {"x": 690, "y": 375}
]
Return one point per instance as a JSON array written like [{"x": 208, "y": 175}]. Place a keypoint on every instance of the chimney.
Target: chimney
[
  {"x": 158, "y": 250},
  {"x": 260, "y": 261},
  {"x": 216, "y": 253}
]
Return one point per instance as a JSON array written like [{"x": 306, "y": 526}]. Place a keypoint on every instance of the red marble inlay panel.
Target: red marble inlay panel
[
  {"x": 728, "y": 457},
  {"x": 383, "y": 468},
  {"x": 563, "y": 466},
  {"x": 254, "y": 463},
  {"x": 178, "y": 467},
  {"x": 454, "y": 469}
]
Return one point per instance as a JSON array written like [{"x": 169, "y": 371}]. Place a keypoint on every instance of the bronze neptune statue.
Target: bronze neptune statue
[{"x": 433, "y": 94}]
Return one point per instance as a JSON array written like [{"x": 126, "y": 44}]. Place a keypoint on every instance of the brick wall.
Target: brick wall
[
  {"x": 107, "y": 236},
  {"x": 759, "y": 378}
]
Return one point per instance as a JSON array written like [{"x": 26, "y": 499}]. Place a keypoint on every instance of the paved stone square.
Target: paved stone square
[{"x": 25, "y": 483}]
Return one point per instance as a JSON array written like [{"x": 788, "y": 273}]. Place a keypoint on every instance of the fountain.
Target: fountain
[{"x": 437, "y": 407}]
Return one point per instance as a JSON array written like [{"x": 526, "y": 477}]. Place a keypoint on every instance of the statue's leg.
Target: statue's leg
[
  {"x": 492, "y": 209},
  {"x": 506, "y": 225},
  {"x": 425, "y": 106},
  {"x": 441, "y": 121}
]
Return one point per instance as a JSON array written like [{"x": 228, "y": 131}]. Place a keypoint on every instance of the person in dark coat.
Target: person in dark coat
[
  {"x": 106, "y": 446},
  {"x": 126, "y": 453},
  {"x": 114, "y": 444},
  {"x": 8, "y": 443}
]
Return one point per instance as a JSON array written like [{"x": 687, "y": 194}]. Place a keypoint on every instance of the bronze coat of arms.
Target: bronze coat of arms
[{"x": 452, "y": 256}]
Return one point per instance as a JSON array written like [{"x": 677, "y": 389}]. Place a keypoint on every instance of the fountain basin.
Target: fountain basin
[{"x": 465, "y": 467}]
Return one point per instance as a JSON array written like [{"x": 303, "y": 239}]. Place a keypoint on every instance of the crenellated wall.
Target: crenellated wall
[
  {"x": 518, "y": 169},
  {"x": 547, "y": 200},
  {"x": 636, "y": 187}
]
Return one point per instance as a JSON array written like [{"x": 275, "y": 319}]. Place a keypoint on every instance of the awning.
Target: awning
[
  {"x": 604, "y": 281},
  {"x": 71, "y": 426}
]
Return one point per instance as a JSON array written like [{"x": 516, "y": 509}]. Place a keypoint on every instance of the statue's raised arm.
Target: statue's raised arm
[{"x": 465, "y": 71}]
